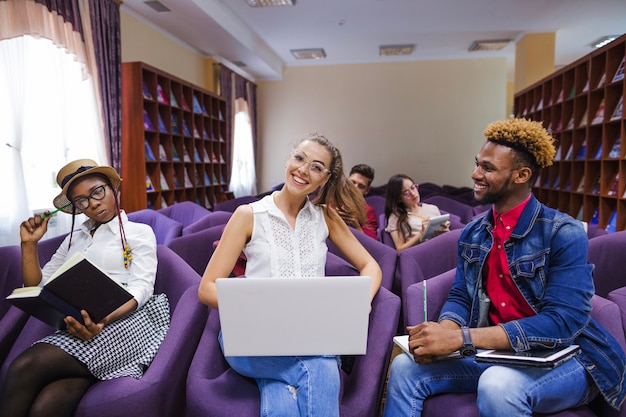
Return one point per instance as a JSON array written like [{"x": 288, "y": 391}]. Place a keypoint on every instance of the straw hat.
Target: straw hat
[{"x": 77, "y": 169}]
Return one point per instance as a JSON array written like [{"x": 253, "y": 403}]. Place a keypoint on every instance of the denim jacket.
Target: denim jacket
[{"x": 547, "y": 256}]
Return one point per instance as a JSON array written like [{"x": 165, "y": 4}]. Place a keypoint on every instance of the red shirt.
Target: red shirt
[
  {"x": 370, "y": 228},
  {"x": 507, "y": 302}
]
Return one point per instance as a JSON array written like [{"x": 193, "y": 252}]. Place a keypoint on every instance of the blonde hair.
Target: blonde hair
[{"x": 526, "y": 136}]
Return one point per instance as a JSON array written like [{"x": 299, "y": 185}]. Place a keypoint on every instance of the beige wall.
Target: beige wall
[
  {"x": 424, "y": 119},
  {"x": 141, "y": 42}
]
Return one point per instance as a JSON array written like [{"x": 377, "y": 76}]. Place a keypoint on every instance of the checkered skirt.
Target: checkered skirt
[{"x": 125, "y": 347}]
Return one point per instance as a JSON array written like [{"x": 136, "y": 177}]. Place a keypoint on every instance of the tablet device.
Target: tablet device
[
  {"x": 434, "y": 225},
  {"x": 541, "y": 358},
  {"x": 294, "y": 316}
]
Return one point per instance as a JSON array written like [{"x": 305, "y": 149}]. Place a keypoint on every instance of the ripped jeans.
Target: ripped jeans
[{"x": 298, "y": 386}]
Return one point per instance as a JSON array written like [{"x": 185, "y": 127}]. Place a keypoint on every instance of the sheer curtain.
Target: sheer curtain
[
  {"x": 50, "y": 116},
  {"x": 243, "y": 176}
]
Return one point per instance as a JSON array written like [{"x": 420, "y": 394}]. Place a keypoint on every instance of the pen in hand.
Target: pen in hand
[
  {"x": 44, "y": 216},
  {"x": 425, "y": 303}
]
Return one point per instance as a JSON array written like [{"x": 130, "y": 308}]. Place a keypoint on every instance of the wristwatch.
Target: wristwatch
[{"x": 468, "y": 348}]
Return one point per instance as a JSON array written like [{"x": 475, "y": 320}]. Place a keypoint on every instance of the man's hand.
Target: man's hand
[
  {"x": 83, "y": 332},
  {"x": 430, "y": 340}
]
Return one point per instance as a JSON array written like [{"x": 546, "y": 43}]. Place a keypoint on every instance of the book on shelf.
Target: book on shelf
[
  {"x": 595, "y": 219},
  {"x": 560, "y": 97},
  {"x": 163, "y": 202},
  {"x": 213, "y": 157},
  {"x": 538, "y": 181},
  {"x": 579, "y": 216},
  {"x": 208, "y": 203},
  {"x": 161, "y": 95},
  {"x": 540, "y": 104},
  {"x": 146, "y": 91},
  {"x": 184, "y": 103},
  {"x": 599, "y": 116},
  {"x": 557, "y": 181},
  {"x": 611, "y": 226},
  {"x": 175, "y": 128},
  {"x": 175, "y": 156},
  {"x": 188, "y": 183},
  {"x": 619, "y": 74},
  {"x": 582, "y": 151},
  {"x": 557, "y": 155},
  {"x": 162, "y": 153},
  {"x": 207, "y": 180},
  {"x": 583, "y": 120},
  {"x": 149, "y": 186},
  {"x": 615, "y": 151},
  {"x": 586, "y": 87},
  {"x": 602, "y": 80},
  {"x": 568, "y": 185},
  {"x": 186, "y": 128},
  {"x": 196, "y": 155},
  {"x": 581, "y": 185},
  {"x": 214, "y": 179},
  {"x": 196, "y": 134},
  {"x": 175, "y": 181},
  {"x": 559, "y": 126},
  {"x": 173, "y": 101},
  {"x": 205, "y": 155},
  {"x": 570, "y": 151},
  {"x": 570, "y": 124},
  {"x": 163, "y": 182},
  {"x": 148, "y": 151},
  {"x": 198, "y": 180},
  {"x": 77, "y": 285},
  {"x": 206, "y": 135},
  {"x": 196, "y": 105},
  {"x": 222, "y": 159},
  {"x": 572, "y": 93},
  {"x": 596, "y": 187},
  {"x": 598, "y": 154},
  {"x": 613, "y": 187},
  {"x": 619, "y": 109},
  {"x": 147, "y": 123},
  {"x": 186, "y": 157},
  {"x": 162, "y": 127}
]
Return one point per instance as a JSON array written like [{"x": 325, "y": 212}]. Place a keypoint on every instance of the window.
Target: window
[
  {"x": 243, "y": 176},
  {"x": 50, "y": 117}
]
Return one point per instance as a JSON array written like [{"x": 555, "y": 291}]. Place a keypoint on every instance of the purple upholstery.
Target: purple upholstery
[
  {"x": 231, "y": 205},
  {"x": 165, "y": 229},
  {"x": 197, "y": 248},
  {"x": 618, "y": 296},
  {"x": 377, "y": 202},
  {"x": 604, "y": 311},
  {"x": 452, "y": 206},
  {"x": 424, "y": 261},
  {"x": 161, "y": 391},
  {"x": 10, "y": 273},
  {"x": 214, "y": 218},
  {"x": 185, "y": 212},
  {"x": 213, "y": 389},
  {"x": 607, "y": 253},
  {"x": 594, "y": 231},
  {"x": 386, "y": 257}
]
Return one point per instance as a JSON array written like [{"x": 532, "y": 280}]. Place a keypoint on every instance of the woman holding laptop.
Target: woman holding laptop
[
  {"x": 407, "y": 217},
  {"x": 284, "y": 235}
]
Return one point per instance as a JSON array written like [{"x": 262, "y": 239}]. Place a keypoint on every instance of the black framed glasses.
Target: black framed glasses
[{"x": 97, "y": 193}]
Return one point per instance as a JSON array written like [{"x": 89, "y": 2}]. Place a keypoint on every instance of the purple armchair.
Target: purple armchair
[
  {"x": 161, "y": 391},
  {"x": 214, "y": 389},
  {"x": 377, "y": 202},
  {"x": 165, "y": 229},
  {"x": 185, "y": 212},
  {"x": 197, "y": 248},
  {"x": 444, "y": 405},
  {"x": 424, "y": 261},
  {"x": 607, "y": 252},
  {"x": 214, "y": 218},
  {"x": 386, "y": 257},
  {"x": 452, "y": 206},
  {"x": 618, "y": 296},
  {"x": 231, "y": 205}
]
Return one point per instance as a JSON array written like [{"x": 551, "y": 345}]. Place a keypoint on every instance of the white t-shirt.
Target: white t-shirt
[{"x": 415, "y": 220}]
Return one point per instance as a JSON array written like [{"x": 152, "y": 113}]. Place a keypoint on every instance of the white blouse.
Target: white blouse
[
  {"x": 278, "y": 250},
  {"x": 105, "y": 250}
]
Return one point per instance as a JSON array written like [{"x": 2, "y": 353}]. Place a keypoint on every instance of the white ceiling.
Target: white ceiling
[{"x": 351, "y": 31}]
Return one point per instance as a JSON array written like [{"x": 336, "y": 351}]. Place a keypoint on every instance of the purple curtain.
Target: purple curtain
[
  {"x": 243, "y": 89},
  {"x": 68, "y": 10}
]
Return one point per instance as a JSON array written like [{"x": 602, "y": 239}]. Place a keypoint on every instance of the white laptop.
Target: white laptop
[{"x": 294, "y": 316}]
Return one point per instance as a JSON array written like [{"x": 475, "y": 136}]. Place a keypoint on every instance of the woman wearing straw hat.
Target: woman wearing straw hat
[{"x": 52, "y": 375}]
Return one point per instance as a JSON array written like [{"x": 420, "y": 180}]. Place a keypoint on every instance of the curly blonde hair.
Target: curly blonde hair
[{"x": 525, "y": 136}]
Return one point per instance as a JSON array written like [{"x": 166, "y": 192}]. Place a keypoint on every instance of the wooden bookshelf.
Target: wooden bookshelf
[
  {"x": 173, "y": 137},
  {"x": 579, "y": 105}
]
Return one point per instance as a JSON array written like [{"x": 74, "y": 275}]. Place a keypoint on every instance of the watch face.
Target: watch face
[{"x": 467, "y": 351}]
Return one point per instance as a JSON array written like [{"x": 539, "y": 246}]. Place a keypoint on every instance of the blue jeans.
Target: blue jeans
[
  {"x": 501, "y": 390},
  {"x": 298, "y": 386}
]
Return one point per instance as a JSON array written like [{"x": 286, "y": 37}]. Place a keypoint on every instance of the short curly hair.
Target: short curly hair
[{"x": 526, "y": 136}]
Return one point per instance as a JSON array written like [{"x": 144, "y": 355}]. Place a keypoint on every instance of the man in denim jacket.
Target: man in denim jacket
[{"x": 522, "y": 282}]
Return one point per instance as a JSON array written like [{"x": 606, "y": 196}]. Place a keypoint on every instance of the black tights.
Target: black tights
[{"x": 43, "y": 381}]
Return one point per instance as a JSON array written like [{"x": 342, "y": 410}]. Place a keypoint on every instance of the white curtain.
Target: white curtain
[
  {"x": 49, "y": 117},
  {"x": 243, "y": 176}
]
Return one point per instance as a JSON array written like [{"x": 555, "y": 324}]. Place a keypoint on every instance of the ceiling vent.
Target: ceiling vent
[
  {"x": 157, "y": 6},
  {"x": 270, "y": 3},
  {"x": 599, "y": 43},
  {"x": 311, "y": 53},
  {"x": 488, "y": 45},
  {"x": 395, "y": 50}
]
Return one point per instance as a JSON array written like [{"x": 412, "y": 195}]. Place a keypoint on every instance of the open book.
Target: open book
[
  {"x": 434, "y": 225},
  {"x": 77, "y": 285}
]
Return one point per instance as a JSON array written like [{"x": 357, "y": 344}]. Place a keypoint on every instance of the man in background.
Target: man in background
[{"x": 361, "y": 176}]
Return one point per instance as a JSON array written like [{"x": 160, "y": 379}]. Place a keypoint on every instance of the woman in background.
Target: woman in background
[
  {"x": 407, "y": 217},
  {"x": 284, "y": 235}
]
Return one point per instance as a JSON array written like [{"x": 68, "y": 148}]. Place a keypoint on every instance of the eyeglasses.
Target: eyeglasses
[
  {"x": 413, "y": 189},
  {"x": 299, "y": 158},
  {"x": 98, "y": 193}
]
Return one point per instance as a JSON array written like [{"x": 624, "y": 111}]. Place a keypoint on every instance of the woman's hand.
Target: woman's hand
[
  {"x": 83, "y": 332},
  {"x": 33, "y": 229}
]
